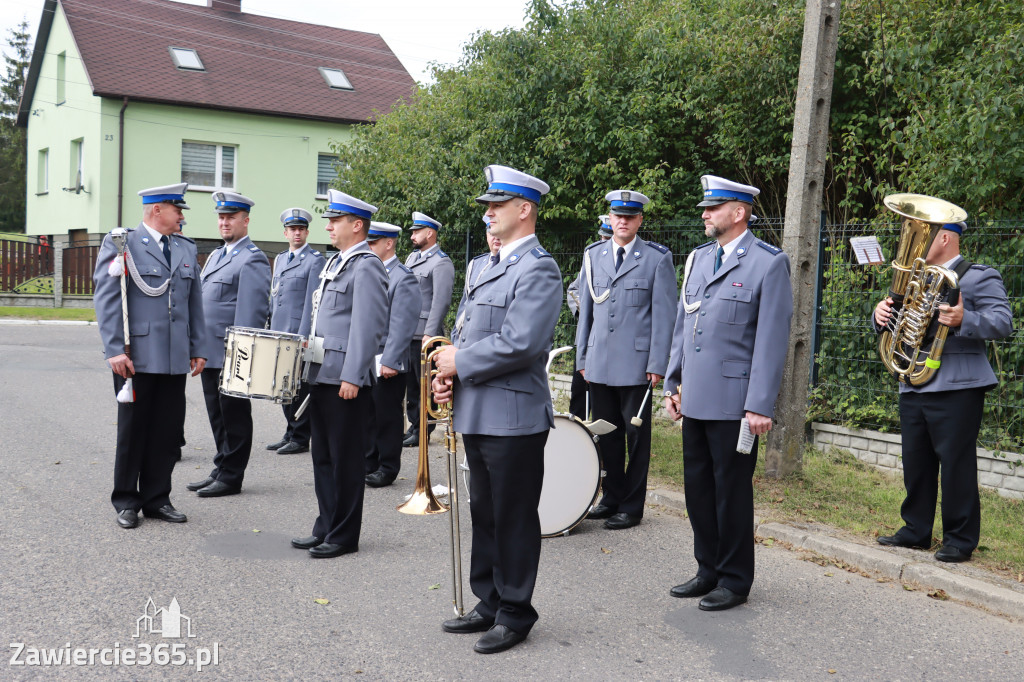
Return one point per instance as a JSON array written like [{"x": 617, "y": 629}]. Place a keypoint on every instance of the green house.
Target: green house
[{"x": 123, "y": 95}]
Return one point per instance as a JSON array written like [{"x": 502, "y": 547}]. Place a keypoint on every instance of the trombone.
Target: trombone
[{"x": 422, "y": 501}]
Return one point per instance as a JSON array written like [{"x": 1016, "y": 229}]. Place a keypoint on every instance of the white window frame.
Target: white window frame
[
  {"x": 331, "y": 76},
  {"x": 78, "y": 165},
  {"x": 218, "y": 167},
  {"x": 43, "y": 172},
  {"x": 180, "y": 55},
  {"x": 337, "y": 164},
  {"x": 61, "y": 94}
]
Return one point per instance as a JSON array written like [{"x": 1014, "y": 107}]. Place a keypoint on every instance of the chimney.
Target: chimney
[{"x": 225, "y": 5}]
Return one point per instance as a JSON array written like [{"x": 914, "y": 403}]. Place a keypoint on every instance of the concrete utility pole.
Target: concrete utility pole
[{"x": 800, "y": 236}]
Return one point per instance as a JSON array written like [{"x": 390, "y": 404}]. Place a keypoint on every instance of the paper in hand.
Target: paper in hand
[{"x": 745, "y": 443}]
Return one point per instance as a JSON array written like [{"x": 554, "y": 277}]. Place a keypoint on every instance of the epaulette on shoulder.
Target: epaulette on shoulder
[
  {"x": 442, "y": 254},
  {"x": 188, "y": 239},
  {"x": 253, "y": 248},
  {"x": 590, "y": 246},
  {"x": 774, "y": 250},
  {"x": 405, "y": 268},
  {"x": 658, "y": 247},
  {"x": 539, "y": 252},
  {"x": 980, "y": 266},
  {"x": 315, "y": 252},
  {"x": 705, "y": 244}
]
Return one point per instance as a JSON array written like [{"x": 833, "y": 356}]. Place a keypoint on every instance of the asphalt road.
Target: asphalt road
[{"x": 70, "y": 578}]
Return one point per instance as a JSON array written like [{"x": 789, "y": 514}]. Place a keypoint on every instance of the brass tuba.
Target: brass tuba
[
  {"x": 910, "y": 344},
  {"x": 423, "y": 501}
]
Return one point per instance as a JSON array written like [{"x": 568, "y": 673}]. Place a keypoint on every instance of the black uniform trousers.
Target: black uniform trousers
[
  {"x": 384, "y": 446},
  {"x": 940, "y": 431},
  {"x": 506, "y": 475},
  {"x": 231, "y": 422},
  {"x": 578, "y": 396},
  {"x": 148, "y": 441},
  {"x": 298, "y": 427},
  {"x": 338, "y": 445},
  {"x": 624, "y": 486},
  {"x": 412, "y": 393},
  {"x": 719, "y": 488}
]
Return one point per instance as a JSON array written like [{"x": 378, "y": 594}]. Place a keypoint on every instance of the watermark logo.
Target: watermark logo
[
  {"x": 167, "y": 622},
  {"x": 164, "y": 622}
]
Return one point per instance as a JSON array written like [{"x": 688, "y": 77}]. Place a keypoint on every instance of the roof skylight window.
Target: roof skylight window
[
  {"x": 336, "y": 78},
  {"x": 187, "y": 59}
]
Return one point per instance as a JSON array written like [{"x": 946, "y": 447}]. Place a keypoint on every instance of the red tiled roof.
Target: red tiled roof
[{"x": 253, "y": 63}]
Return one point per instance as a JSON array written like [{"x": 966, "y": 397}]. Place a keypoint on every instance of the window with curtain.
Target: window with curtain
[
  {"x": 208, "y": 166},
  {"x": 327, "y": 166}
]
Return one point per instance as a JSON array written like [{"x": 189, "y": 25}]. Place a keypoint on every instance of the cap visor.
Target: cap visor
[
  {"x": 626, "y": 210},
  {"x": 228, "y": 209},
  {"x": 713, "y": 202},
  {"x": 333, "y": 214}
]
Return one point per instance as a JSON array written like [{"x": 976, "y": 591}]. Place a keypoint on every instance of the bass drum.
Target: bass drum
[{"x": 572, "y": 476}]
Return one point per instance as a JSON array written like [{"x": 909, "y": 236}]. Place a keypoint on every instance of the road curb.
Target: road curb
[
  {"x": 20, "y": 322},
  {"x": 881, "y": 562}
]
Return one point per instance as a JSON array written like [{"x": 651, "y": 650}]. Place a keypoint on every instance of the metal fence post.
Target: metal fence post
[{"x": 819, "y": 292}]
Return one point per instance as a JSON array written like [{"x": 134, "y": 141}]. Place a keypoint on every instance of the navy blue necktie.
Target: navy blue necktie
[
  {"x": 494, "y": 259},
  {"x": 618, "y": 257},
  {"x": 718, "y": 257},
  {"x": 166, "y": 246},
  {"x": 291, "y": 257}
]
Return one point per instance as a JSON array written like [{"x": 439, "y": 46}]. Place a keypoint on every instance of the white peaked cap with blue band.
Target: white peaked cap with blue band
[
  {"x": 296, "y": 217},
  {"x": 626, "y": 202},
  {"x": 230, "y": 202},
  {"x": 171, "y": 194},
  {"x": 955, "y": 227},
  {"x": 606, "y": 228},
  {"x": 339, "y": 204},
  {"x": 504, "y": 183},
  {"x": 423, "y": 220},
  {"x": 382, "y": 231},
  {"x": 719, "y": 190}
]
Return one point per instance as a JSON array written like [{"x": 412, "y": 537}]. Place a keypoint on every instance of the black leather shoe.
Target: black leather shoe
[
  {"x": 378, "y": 479},
  {"x": 200, "y": 484},
  {"x": 897, "y": 541},
  {"x": 326, "y": 550},
  {"x": 952, "y": 555},
  {"x": 218, "y": 489},
  {"x": 720, "y": 599},
  {"x": 279, "y": 444},
  {"x": 166, "y": 513},
  {"x": 292, "y": 448},
  {"x": 622, "y": 520},
  {"x": 600, "y": 512},
  {"x": 695, "y": 587},
  {"x": 128, "y": 518},
  {"x": 411, "y": 440},
  {"x": 499, "y": 638},
  {"x": 306, "y": 543},
  {"x": 471, "y": 622}
]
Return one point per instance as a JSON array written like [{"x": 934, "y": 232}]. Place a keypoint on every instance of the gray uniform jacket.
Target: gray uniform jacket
[
  {"x": 436, "y": 275},
  {"x": 291, "y": 300},
  {"x": 986, "y": 316},
  {"x": 629, "y": 334},
  {"x": 509, "y": 317},
  {"x": 572, "y": 295},
  {"x": 167, "y": 330},
  {"x": 730, "y": 353},
  {"x": 352, "y": 317},
  {"x": 236, "y": 291},
  {"x": 404, "y": 305}
]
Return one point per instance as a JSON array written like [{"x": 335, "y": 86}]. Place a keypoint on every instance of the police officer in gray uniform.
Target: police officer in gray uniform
[
  {"x": 296, "y": 277},
  {"x": 503, "y": 409},
  {"x": 728, "y": 352},
  {"x": 578, "y": 388},
  {"x": 436, "y": 274},
  {"x": 627, "y": 303},
  {"x": 940, "y": 420},
  {"x": 349, "y": 316},
  {"x": 166, "y": 330},
  {"x": 384, "y": 450},
  {"x": 236, "y": 292}
]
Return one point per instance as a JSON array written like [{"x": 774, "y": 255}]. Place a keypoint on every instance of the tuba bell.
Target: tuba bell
[{"x": 912, "y": 341}]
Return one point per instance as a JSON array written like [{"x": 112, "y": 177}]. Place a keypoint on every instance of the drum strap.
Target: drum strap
[{"x": 334, "y": 267}]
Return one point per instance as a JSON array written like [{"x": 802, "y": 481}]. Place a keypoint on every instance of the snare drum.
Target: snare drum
[
  {"x": 572, "y": 476},
  {"x": 260, "y": 363}
]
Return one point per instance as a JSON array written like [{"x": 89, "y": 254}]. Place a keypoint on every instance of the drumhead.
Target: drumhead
[{"x": 572, "y": 476}]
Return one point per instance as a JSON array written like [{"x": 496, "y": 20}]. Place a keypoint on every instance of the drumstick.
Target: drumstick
[
  {"x": 637, "y": 421},
  {"x": 302, "y": 407}
]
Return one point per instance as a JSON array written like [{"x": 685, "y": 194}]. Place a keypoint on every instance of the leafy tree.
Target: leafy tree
[
  {"x": 12, "y": 138},
  {"x": 593, "y": 95}
]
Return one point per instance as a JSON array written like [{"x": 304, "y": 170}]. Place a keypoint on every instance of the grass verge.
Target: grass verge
[
  {"x": 836, "y": 489},
  {"x": 34, "y": 313}
]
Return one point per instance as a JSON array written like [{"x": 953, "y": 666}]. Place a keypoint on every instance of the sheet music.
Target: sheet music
[{"x": 867, "y": 250}]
